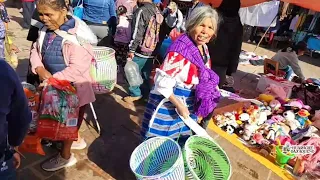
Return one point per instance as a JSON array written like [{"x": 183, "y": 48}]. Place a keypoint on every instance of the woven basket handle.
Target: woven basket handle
[{"x": 195, "y": 127}]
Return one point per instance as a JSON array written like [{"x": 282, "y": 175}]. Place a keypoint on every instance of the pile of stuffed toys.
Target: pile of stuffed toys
[{"x": 276, "y": 121}]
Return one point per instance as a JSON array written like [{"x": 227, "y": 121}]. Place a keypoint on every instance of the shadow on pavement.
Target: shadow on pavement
[
  {"x": 119, "y": 136},
  {"x": 246, "y": 84},
  {"x": 22, "y": 69},
  {"x": 19, "y": 20}
]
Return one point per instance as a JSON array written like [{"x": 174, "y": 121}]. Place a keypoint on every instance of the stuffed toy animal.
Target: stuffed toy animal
[
  {"x": 274, "y": 132},
  {"x": 302, "y": 116},
  {"x": 297, "y": 104},
  {"x": 289, "y": 116},
  {"x": 248, "y": 131},
  {"x": 266, "y": 98},
  {"x": 275, "y": 105}
]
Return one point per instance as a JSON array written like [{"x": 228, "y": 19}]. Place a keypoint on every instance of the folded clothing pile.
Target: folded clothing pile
[{"x": 251, "y": 58}]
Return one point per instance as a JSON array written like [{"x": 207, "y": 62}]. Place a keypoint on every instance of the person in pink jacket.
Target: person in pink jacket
[{"x": 58, "y": 53}]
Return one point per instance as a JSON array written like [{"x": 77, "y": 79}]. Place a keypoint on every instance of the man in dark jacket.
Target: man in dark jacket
[
  {"x": 144, "y": 59},
  {"x": 15, "y": 117}
]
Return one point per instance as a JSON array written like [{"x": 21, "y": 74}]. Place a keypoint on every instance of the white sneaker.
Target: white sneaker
[
  {"x": 79, "y": 145},
  {"x": 58, "y": 162}
]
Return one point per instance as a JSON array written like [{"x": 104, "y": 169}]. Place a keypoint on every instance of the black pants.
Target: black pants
[{"x": 225, "y": 50}]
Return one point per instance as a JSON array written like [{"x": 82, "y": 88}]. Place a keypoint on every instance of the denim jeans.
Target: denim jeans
[
  {"x": 145, "y": 67},
  {"x": 7, "y": 170},
  {"x": 289, "y": 72},
  {"x": 28, "y": 8}
]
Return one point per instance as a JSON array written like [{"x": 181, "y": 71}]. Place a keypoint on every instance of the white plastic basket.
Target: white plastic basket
[
  {"x": 158, "y": 158},
  {"x": 103, "y": 70}
]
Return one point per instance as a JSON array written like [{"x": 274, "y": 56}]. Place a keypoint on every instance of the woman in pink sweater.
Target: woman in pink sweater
[{"x": 60, "y": 57}]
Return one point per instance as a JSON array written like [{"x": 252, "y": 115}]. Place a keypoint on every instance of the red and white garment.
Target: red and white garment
[{"x": 176, "y": 70}]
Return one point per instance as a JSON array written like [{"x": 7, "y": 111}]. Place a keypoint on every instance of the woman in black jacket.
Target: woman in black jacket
[{"x": 225, "y": 50}]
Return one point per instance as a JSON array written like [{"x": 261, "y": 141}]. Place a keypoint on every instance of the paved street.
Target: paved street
[{"x": 107, "y": 156}]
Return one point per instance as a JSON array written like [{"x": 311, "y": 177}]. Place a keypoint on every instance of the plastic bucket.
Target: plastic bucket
[
  {"x": 158, "y": 158},
  {"x": 282, "y": 158},
  {"x": 204, "y": 159}
]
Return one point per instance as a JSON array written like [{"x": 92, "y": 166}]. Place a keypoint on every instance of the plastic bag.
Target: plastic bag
[
  {"x": 59, "y": 111},
  {"x": 32, "y": 144},
  {"x": 131, "y": 69},
  {"x": 33, "y": 102}
]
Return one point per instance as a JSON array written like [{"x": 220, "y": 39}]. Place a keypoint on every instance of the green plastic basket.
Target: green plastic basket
[
  {"x": 205, "y": 160},
  {"x": 103, "y": 70}
]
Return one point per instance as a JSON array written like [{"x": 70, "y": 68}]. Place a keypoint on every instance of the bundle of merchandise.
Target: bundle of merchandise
[
  {"x": 58, "y": 113},
  {"x": 308, "y": 92},
  {"x": 54, "y": 114},
  {"x": 251, "y": 58},
  {"x": 271, "y": 126},
  {"x": 32, "y": 143}
]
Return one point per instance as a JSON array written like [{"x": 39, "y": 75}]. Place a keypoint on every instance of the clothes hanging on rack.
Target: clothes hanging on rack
[
  {"x": 301, "y": 20},
  {"x": 293, "y": 23},
  {"x": 261, "y": 15},
  {"x": 314, "y": 21}
]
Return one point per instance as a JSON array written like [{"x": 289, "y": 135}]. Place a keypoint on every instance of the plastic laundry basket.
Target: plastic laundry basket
[
  {"x": 204, "y": 159},
  {"x": 103, "y": 70},
  {"x": 158, "y": 158}
]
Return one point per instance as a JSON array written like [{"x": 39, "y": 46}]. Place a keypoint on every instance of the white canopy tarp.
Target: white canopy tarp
[{"x": 261, "y": 15}]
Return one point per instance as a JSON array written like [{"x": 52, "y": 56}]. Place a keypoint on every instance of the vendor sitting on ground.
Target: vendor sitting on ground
[
  {"x": 288, "y": 59},
  {"x": 185, "y": 81}
]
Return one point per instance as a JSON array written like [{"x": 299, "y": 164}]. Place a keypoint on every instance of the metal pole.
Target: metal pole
[{"x": 264, "y": 34}]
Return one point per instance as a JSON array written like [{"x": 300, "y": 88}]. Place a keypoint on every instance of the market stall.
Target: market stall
[{"x": 263, "y": 131}]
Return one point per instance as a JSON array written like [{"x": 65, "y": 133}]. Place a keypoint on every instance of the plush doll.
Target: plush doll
[
  {"x": 261, "y": 117},
  {"x": 275, "y": 105},
  {"x": 286, "y": 139},
  {"x": 266, "y": 98},
  {"x": 289, "y": 116},
  {"x": 302, "y": 116},
  {"x": 244, "y": 117},
  {"x": 221, "y": 120},
  {"x": 297, "y": 104},
  {"x": 258, "y": 138},
  {"x": 274, "y": 132},
  {"x": 275, "y": 119},
  {"x": 248, "y": 130},
  {"x": 231, "y": 124}
]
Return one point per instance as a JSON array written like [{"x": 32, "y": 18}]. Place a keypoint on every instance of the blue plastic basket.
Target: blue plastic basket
[{"x": 158, "y": 158}]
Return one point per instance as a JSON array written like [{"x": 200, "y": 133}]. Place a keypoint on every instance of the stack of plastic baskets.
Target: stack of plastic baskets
[
  {"x": 103, "y": 70},
  {"x": 205, "y": 160},
  {"x": 158, "y": 158}
]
